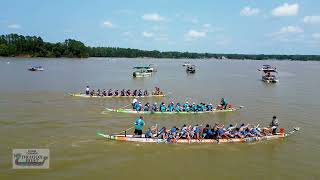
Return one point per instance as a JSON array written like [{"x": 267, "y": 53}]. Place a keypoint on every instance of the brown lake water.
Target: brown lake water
[{"x": 36, "y": 112}]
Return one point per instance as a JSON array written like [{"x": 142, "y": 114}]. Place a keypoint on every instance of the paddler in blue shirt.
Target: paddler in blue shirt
[
  {"x": 171, "y": 107},
  {"x": 186, "y": 107},
  {"x": 194, "y": 107},
  {"x": 138, "y": 106},
  {"x": 146, "y": 107},
  {"x": 163, "y": 107},
  {"x": 209, "y": 107},
  {"x": 178, "y": 107},
  {"x": 202, "y": 107},
  {"x": 138, "y": 125},
  {"x": 154, "y": 107},
  {"x": 224, "y": 103}
]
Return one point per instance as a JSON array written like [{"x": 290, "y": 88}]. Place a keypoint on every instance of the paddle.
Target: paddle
[
  {"x": 124, "y": 106},
  {"x": 124, "y": 130}
]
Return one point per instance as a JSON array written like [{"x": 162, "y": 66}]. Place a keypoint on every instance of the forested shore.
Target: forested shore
[{"x": 14, "y": 45}]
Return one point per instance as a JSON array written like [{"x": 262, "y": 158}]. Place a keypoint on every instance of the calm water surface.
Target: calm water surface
[{"x": 35, "y": 112}]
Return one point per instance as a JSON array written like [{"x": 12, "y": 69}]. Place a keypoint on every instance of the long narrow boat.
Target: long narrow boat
[
  {"x": 130, "y": 138},
  {"x": 131, "y": 111},
  {"x": 89, "y": 96}
]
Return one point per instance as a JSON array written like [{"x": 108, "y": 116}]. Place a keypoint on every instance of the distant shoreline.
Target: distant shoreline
[
  {"x": 14, "y": 45},
  {"x": 28, "y": 56}
]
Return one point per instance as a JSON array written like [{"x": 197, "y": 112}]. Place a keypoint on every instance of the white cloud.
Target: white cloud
[
  {"x": 316, "y": 35},
  {"x": 248, "y": 11},
  {"x": 14, "y": 26},
  {"x": 153, "y": 17},
  {"x": 286, "y": 10},
  {"x": 288, "y": 34},
  {"x": 311, "y": 19},
  {"x": 147, "y": 34},
  {"x": 108, "y": 24},
  {"x": 193, "y": 34},
  {"x": 290, "y": 29}
]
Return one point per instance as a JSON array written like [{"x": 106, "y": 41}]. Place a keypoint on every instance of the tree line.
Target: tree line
[{"x": 12, "y": 45}]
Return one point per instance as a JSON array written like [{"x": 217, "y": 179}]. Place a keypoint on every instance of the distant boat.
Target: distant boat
[
  {"x": 186, "y": 64},
  {"x": 152, "y": 68},
  {"x": 269, "y": 74},
  {"x": 191, "y": 69},
  {"x": 36, "y": 68},
  {"x": 141, "y": 71}
]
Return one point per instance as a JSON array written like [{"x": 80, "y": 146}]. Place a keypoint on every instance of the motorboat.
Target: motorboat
[
  {"x": 141, "y": 71},
  {"x": 36, "y": 68},
  {"x": 191, "y": 69},
  {"x": 186, "y": 64},
  {"x": 268, "y": 75},
  {"x": 152, "y": 68}
]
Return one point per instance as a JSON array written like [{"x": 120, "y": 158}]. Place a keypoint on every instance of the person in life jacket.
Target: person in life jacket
[
  {"x": 171, "y": 107},
  {"x": 133, "y": 103},
  {"x": 186, "y": 107},
  {"x": 92, "y": 93},
  {"x": 157, "y": 91},
  {"x": 138, "y": 125},
  {"x": 223, "y": 103},
  {"x": 122, "y": 93},
  {"x": 178, "y": 107},
  {"x": 140, "y": 92},
  {"x": 202, "y": 106},
  {"x": 209, "y": 107},
  {"x": 196, "y": 131},
  {"x": 163, "y": 107},
  {"x": 145, "y": 93},
  {"x": 172, "y": 135},
  {"x": 146, "y": 107},
  {"x": 104, "y": 93},
  {"x": 135, "y": 92},
  {"x": 194, "y": 107},
  {"x": 128, "y": 93},
  {"x": 116, "y": 92},
  {"x": 87, "y": 90},
  {"x": 138, "y": 106},
  {"x": 274, "y": 124},
  {"x": 154, "y": 107},
  {"x": 199, "y": 107},
  {"x": 110, "y": 92},
  {"x": 148, "y": 133}
]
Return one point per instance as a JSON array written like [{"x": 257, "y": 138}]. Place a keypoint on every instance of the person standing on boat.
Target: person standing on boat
[
  {"x": 274, "y": 124},
  {"x": 87, "y": 90},
  {"x": 138, "y": 125},
  {"x": 224, "y": 103}
]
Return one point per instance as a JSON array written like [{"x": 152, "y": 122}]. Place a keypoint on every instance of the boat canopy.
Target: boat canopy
[{"x": 141, "y": 67}]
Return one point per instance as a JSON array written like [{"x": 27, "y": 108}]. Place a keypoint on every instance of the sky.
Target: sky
[{"x": 214, "y": 26}]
